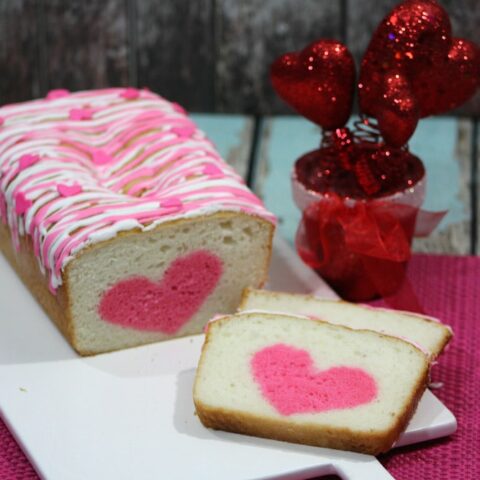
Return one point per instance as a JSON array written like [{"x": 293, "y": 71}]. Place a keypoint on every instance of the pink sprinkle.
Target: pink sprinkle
[
  {"x": 173, "y": 204},
  {"x": 22, "y": 204},
  {"x": 3, "y": 208},
  {"x": 99, "y": 157},
  {"x": 2, "y": 121},
  {"x": 69, "y": 190},
  {"x": 213, "y": 171},
  {"x": 178, "y": 108},
  {"x": 184, "y": 132},
  {"x": 80, "y": 114},
  {"x": 130, "y": 93},
  {"x": 57, "y": 93},
  {"x": 27, "y": 160}
]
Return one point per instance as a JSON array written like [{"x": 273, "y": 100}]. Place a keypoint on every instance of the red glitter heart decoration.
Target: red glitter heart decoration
[
  {"x": 397, "y": 113},
  {"x": 451, "y": 82},
  {"x": 413, "y": 68},
  {"x": 318, "y": 82}
]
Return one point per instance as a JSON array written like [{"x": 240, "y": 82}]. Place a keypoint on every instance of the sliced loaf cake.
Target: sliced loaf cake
[{"x": 307, "y": 381}]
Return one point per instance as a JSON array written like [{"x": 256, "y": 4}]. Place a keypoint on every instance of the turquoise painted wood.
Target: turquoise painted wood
[
  {"x": 436, "y": 141},
  {"x": 231, "y": 134},
  {"x": 284, "y": 139}
]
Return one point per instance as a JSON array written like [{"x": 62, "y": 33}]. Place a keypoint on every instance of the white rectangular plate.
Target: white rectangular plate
[{"x": 130, "y": 414}]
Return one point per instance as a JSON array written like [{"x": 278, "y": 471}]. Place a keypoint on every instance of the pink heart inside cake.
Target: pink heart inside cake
[
  {"x": 290, "y": 382},
  {"x": 166, "y": 305}
]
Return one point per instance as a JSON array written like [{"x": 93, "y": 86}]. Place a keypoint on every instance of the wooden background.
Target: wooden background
[{"x": 208, "y": 55}]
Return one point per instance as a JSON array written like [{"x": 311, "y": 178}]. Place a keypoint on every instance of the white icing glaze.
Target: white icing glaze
[{"x": 77, "y": 169}]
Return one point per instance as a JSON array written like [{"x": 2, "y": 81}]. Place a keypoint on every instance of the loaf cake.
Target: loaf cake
[
  {"x": 306, "y": 381},
  {"x": 426, "y": 333},
  {"x": 122, "y": 219}
]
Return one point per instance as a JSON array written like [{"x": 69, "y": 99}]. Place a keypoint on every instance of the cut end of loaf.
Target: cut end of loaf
[
  {"x": 166, "y": 283},
  {"x": 317, "y": 384}
]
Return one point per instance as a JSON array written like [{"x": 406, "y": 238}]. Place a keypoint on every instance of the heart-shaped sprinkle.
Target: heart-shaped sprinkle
[
  {"x": 80, "y": 114},
  {"x": 163, "y": 306},
  {"x": 213, "y": 171},
  {"x": 178, "y": 108},
  {"x": 27, "y": 160},
  {"x": 185, "y": 131},
  {"x": 130, "y": 93},
  {"x": 22, "y": 203},
  {"x": 172, "y": 205},
  {"x": 413, "y": 68},
  {"x": 100, "y": 157},
  {"x": 69, "y": 190},
  {"x": 318, "y": 82},
  {"x": 57, "y": 93},
  {"x": 2, "y": 121},
  {"x": 291, "y": 384}
]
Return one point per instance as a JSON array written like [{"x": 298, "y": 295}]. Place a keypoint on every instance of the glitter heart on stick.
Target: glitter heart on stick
[
  {"x": 318, "y": 82},
  {"x": 451, "y": 82},
  {"x": 397, "y": 114},
  {"x": 414, "y": 68}
]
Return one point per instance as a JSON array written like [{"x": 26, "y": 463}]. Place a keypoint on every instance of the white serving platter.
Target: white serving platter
[{"x": 130, "y": 414}]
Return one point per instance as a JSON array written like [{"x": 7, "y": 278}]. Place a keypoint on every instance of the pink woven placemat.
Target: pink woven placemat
[{"x": 449, "y": 288}]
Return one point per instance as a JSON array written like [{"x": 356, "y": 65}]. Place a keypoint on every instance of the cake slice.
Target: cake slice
[
  {"x": 427, "y": 333},
  {"x": 307, "y": 381}
]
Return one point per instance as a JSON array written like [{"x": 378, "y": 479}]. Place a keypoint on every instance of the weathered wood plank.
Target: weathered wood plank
[
  {"x": 283, "y": 140},
  {"x": 363, "y": 18},
  {"x": 86, "y": 43},
  {"x": 19, "y": 79},
  {"x": 175, "y": 54},
  {"x": 442, "y": 143},
  {"x": 465, "y": 17},
  {"x": 251, "y": 34},
  {"x": 232, "y": 136}
]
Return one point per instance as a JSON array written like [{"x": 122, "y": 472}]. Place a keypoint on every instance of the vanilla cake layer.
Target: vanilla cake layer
[{"x": 425, "y": 332}]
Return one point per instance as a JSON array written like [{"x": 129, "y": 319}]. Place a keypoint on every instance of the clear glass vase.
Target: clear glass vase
[{"x": 360, "y": 247}]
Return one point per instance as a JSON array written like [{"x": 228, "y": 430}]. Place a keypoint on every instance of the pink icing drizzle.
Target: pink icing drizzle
[{"x": 133, "y": 171}]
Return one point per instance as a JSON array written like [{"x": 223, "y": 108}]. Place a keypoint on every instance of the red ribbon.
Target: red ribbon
[{"x": 362, "y": 248}]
